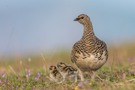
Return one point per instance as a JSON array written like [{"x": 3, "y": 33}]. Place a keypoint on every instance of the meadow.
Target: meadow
[{"x": 30, "y": 72}]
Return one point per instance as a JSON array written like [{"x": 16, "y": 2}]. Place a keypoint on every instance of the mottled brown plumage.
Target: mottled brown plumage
[
  {"x": 68, "y": 72},
  {"x": 89, "y": 53},
  {"x": 55, "y": 74}
]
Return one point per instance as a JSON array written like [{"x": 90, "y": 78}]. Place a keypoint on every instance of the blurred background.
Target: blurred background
[
  {"x": 33, "y": 29},
  {"x": 35, "y": 34}
]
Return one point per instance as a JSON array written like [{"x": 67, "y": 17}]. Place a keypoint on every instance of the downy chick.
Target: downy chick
[
  {"x": 55, "y": 75},
  {"x": 68, "y": 72}
]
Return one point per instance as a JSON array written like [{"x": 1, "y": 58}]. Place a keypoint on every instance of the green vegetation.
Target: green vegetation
[{"x": 31, "y": 73}]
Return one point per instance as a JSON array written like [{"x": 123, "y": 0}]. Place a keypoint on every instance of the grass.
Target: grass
[{"x": 31, "y": 72}]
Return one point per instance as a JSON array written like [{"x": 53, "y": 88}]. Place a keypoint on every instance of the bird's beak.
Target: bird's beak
[{"x": 76, "y": 19}]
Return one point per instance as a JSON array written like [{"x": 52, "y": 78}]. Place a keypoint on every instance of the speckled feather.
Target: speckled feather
[
  {"x": 67, "y": 71},
  {"x": 89, "y": 53},
  {"x": 55, "y": 74}
]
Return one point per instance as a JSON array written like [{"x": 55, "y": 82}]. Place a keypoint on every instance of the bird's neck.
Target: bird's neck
[{"x": 88, "y": 31}]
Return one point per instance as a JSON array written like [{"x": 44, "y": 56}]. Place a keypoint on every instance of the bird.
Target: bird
[
  {"x": 55, "y": 74},
  {"x": 68, "y": 72},
  {"x": 89, "y": 53}
]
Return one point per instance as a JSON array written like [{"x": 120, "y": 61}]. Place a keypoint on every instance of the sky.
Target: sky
[{"x": 28, "y": 26}]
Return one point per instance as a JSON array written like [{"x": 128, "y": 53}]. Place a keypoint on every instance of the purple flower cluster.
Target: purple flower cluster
[
  {"x": 81, "y": 84},
  {"x": 0, "y": 82},
  {"x": 38, "y": 76},
  {"x": 28, "y": 73},
  {"x": 2, "y": 79},
  {"x": 130, "y": 59},
  {"x": 3, "y": 75}
]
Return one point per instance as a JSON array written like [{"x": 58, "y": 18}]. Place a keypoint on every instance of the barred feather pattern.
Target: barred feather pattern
[
  {"x": 68, "y": 72},
  {"x": 55, "y": 74},
  {"x": 66, "y": 69},
  {"x": 89, "y": 53}
]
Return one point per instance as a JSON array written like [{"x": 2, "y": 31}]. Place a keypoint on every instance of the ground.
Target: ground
[{"x": 31, "y": 72}]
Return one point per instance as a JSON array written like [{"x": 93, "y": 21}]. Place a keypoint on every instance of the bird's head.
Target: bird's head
[
  {"x": 61, "y": 65},
  {"x": 83, "y": 19},
  {"x": 52, "y": 68}
]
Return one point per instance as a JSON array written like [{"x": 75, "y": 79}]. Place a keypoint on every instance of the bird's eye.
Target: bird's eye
[
  {"x": 81, "y": 17},
  {"x": 61, "y": 62},
  {"x": 50, "y": 68}
]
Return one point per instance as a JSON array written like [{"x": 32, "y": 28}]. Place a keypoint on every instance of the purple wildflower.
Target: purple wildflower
[
  {"x": 0, "y": 82},
  {"x": 3, "y": 75},
  {"x": 38, "y": 76},
  {"x": 16, "y": 87},
  {"x": 80, "y": 84},
  {"x": 28, "y": 73},
  {"x": 130, "y": 59},
  {"x": 86, "y": 82},
  {"x": 89, "y": 89},
  {"x": 22, "y": 87}
]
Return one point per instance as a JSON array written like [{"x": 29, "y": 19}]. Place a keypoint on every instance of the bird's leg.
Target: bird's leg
[
  {"x": 93, "y": 76},
  {"x": 75, "y": 78},
  {"x": 79, "y": 72},
  {"x": 59, "y": 82},
  {"x": 50, "y": 78},
  {"x": 64, "y": 77}
]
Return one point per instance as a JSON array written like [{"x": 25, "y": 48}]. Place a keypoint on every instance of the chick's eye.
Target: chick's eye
[{"x": 50, "y": 68}]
